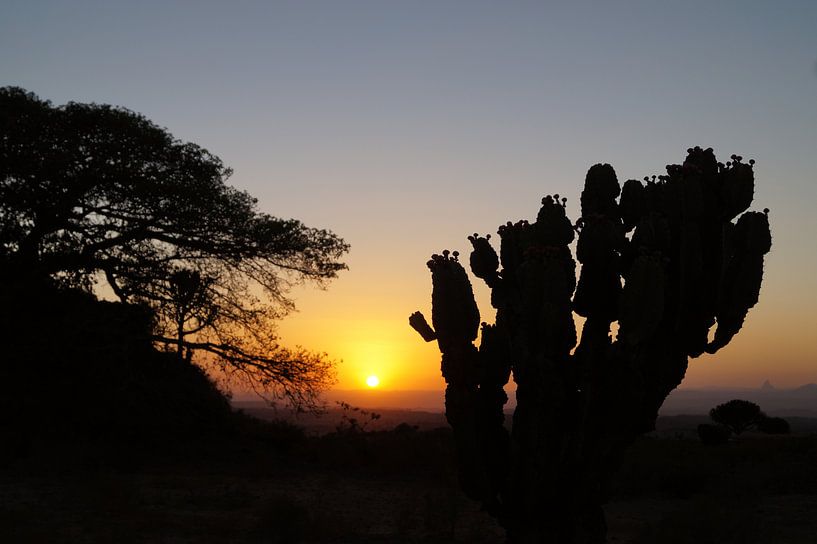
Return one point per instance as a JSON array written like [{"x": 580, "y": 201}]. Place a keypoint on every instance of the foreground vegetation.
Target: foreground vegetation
[{"x": 268, "y": 482}]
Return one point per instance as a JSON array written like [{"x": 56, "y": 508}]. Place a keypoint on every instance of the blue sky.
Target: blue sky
[{"x": 405, "y": 126}]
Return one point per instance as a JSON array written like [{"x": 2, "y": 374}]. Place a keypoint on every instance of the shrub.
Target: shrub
[{"x": 773, "y": 425}]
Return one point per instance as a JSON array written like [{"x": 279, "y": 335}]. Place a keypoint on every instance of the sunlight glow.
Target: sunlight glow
[{"x": 372, "y": 381}]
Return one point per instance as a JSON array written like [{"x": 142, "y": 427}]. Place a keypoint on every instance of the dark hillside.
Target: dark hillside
[{"x": 75, "y": 368}]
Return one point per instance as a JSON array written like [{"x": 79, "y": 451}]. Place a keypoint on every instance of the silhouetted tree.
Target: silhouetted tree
[
  {"x": 773, "y": 425},
  {"x": 737, "y": 415},
  {"x": 685, "y": 267},
  {"x": 94, "y": 194}
]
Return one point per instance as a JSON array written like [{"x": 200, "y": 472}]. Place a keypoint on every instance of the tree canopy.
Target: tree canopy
[
  {"x": 737, "y": 415},
  {"x": 95, "y": 195}
]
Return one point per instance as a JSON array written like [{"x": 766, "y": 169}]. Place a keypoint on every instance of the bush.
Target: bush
[
  {"x": 773, "y": 425},
  {"x": 405, "y": 428}
]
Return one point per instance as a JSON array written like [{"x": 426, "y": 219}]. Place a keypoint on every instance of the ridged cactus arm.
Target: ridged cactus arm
[
  {"x": 494, "y": 349},
  {"x": 511, "y": 247},
  {"x": 454, "y": 312},
  {"x": 474, "y": 396},
  {"x": 601, "y": 240},
  {"x": 495, "y": 366},
  {"x": 738, "y": 186},
  {"x": 632, "y": 204},
  {"x": 542, "y": 332},
  {"x": 750, "y": 240},
  {"x": 418, "y": 322},
  {"x": 641, "y": 307},
  {"x": 687, "y": 264}
]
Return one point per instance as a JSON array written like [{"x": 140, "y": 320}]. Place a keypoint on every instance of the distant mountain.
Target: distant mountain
[
  {"x": 800, "y": 401},
  {"x": 809, "y": 389}
]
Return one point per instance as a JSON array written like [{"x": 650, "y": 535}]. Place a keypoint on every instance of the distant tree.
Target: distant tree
[
  {"x": 773, "y": 425},
  {"x": 737, "y": 415},
  {"x": 94, "y": 195}
]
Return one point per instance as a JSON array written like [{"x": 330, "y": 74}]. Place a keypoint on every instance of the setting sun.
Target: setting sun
[{"x": 372, "y": 381}]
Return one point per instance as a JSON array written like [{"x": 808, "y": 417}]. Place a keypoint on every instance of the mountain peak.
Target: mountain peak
[
  {"x": 767, "y": 386},
  {"x": 808, "y": 388}
]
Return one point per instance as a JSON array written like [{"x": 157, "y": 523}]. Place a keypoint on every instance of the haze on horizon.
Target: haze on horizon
[{"x": 405, "y": 127}]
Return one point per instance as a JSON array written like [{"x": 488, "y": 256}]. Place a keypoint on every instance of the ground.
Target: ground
[{"x": 273, "y": 485}]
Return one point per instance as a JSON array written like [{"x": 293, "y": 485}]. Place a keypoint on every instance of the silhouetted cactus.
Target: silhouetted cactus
[{"x": 685, "y": 267}]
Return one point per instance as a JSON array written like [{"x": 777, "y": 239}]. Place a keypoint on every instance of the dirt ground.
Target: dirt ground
[{"x": 391, "y": 488}]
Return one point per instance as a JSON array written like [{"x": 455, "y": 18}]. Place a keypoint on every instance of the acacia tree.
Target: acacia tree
[
  {"x": 737, "y": 415},
  {"x": 94, "y": 195}
]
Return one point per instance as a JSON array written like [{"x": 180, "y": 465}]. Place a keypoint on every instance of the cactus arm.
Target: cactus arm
[
  {"x": 743, "y": 275},
  {"x": 474, "y": 393},
  {"x": 418, "y": 322}
]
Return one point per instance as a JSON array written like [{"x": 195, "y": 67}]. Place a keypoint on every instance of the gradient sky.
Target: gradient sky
[{"x": 405, "y": 126}]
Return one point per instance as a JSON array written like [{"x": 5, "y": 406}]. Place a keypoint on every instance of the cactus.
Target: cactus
[{"x": 686, "y": 269}]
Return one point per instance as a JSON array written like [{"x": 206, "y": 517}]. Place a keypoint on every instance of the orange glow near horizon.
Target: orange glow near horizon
[
  {"x": 377, "y": 340},
  {"x": 361, "y": 320}
]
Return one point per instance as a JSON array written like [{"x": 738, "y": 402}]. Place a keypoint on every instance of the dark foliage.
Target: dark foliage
[
  {"x": 773, "y": 425},
  {"x": 79, "y": 370},
  {"x": 737, "y": 415},
  {"x": 713, "y": 435},
  {"x": 94, "y": 194},
  {"x": 354, "y": 419},
  {"x": 685, "y": 266}
]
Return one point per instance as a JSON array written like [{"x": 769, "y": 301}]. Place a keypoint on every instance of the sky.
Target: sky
[{"x": 405, "y": 126}]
